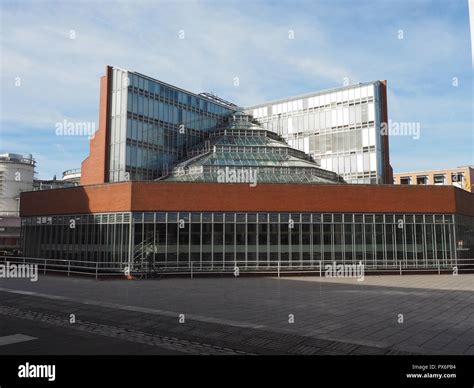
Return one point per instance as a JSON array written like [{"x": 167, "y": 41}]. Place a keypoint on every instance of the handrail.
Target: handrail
[{"x": 115, "y": 268}]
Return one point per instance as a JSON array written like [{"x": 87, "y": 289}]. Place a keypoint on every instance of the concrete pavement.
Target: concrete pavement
[{"x": 423, "y": 314}]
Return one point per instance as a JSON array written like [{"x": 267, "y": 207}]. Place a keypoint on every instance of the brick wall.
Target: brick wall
[
  {"x": 168, "y": 196},
  {"x": 387, "y": 168},
  {"x": 94, "y": 167}
]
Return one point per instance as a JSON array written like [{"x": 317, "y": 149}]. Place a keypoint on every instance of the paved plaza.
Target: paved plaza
[{"x": 420, "y": 314}]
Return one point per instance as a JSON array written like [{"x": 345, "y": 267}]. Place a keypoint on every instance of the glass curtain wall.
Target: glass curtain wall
[
  {"x": 216, "y": 241},
  {"x": 92, "y": 238},
  {"x": 339, "y": 128},
  {"x": 153, "y": 123}
]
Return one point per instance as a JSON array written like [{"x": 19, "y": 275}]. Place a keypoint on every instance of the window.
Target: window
[
  {"x": 352, "y": 115},
  {"x": 357, "y": 93},
  {"x": 140, "y": 104},
  {"x": 439, "y": 179},
  {"x": 406, "y": 180},
  {"x": 421, "y": 180},
  {"x": 457, "y": 178},
  {"x": 364, "y": 113}
]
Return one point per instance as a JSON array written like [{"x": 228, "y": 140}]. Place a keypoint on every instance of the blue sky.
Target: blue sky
[{"x": 246, "y": 39}]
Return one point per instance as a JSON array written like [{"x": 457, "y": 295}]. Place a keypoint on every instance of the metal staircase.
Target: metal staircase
[{"x": 143, "y": 255}]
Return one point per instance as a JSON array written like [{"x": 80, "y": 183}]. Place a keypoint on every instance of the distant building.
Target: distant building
[
  {"x": 70, "y": 178},
  {"x": 462, "y": 177},
  {"x": 73, "y": 175},
  {"x": 16, "y": 176}
]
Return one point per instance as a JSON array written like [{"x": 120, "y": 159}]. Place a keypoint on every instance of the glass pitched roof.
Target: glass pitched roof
[{"x": 243, "y": 151}]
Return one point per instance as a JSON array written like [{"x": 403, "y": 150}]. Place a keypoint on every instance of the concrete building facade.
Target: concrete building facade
[
  {"x": 462, "y": 177},
  {"x": 16, "y": 176}
]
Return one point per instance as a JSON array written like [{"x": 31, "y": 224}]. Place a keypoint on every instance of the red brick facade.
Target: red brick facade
[
  {"x": 167, "y": 196},
  {"x": 387, "y": 168},
  {"x": 94, "y": 168}
]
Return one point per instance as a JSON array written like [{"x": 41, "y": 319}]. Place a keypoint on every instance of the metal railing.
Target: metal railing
[
  {"x": 318, "y": 267},
  {"x": 72, "y": 171},
  {"x": 79, "y": 267},
  {"x": 191, "y": 268}
]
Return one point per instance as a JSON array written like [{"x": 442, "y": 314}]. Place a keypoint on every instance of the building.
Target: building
[
  {"x": 184, "y": 226},
  {"x": 340, "y": 128},
  {"x": 70, "y": 178},
  {"x": 241, "y": 151},
  {"x": 462, "y": 177},
  {"x": 73, "y": 175},
  {"x": 145, "y": 126},
  {"x": 223, "y": 192},
  {"x": 16, "y": 176}
]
